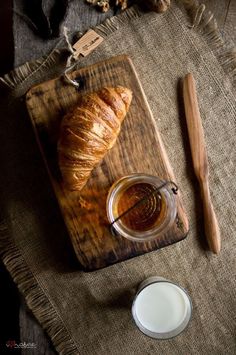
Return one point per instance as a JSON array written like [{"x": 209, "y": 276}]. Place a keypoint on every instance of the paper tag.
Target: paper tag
[{"x": 87, "y": 43}]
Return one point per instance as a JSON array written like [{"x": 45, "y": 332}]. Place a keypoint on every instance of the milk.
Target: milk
[{"x": 161, "y": 308}]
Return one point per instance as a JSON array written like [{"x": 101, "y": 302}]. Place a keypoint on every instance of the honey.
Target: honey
[{"x": 140, "y": 207}]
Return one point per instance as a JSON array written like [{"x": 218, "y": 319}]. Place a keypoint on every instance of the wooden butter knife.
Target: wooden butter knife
[{"x": 200, "y": 161}]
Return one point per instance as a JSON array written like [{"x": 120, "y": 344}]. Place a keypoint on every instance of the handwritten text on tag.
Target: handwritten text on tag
[{"x": 87, "y": 43}]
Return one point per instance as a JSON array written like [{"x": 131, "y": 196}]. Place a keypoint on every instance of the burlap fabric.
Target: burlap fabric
[{"x": 89, "y": 313}]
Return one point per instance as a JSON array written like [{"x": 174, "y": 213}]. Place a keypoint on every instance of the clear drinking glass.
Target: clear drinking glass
[
  {"x": 161, "y": 309},
  {"x": 133, "y": 186}
]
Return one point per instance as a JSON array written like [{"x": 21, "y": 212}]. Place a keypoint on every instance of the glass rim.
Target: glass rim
[
  {"x": 152, "y": 233},
  {"x": 165, "y": 335}
]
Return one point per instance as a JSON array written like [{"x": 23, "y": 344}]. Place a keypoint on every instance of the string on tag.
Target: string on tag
[
  {"x": 84, "y": 46},
  {"x": 71, "y": 60}
]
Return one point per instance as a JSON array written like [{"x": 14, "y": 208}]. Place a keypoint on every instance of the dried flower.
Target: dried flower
[
  {"x": 122, "y": 3},
  {"x": 104, "y": 5},
  {"x": 157, "y": 5},
  {"x": 153, "y": 5},
  {"x": 93, "y": 2}
]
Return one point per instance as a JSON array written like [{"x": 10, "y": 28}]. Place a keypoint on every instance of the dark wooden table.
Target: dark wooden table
[{"x": 18, "y": 321}]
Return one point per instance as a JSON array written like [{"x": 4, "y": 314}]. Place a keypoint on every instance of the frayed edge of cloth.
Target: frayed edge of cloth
[
  {"x": 17, "y": 79},
  {"x": 204, "y": 22},
  {"x": 19, "y": 75},
  {"x": 34, "y": 296},
  {"x": 112, "y": 24},
  {"x": 43, "y": 69}
]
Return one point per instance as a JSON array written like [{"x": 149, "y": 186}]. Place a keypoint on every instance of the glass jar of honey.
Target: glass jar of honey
[{"x": 141, "y": 207}]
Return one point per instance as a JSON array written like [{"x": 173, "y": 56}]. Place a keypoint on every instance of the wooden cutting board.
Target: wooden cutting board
[{"x": 138, "y": 149}]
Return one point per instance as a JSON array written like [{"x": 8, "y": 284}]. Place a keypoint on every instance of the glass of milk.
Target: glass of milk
[{"x": 161, "y": 309}]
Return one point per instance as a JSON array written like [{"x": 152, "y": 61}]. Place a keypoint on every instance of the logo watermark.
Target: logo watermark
[{"x": 12, "y": 344}]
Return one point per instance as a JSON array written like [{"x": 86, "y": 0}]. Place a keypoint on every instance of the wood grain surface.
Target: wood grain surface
[
  {"x": 137, "y": 150},
  {"x": 200, "y": 160}
]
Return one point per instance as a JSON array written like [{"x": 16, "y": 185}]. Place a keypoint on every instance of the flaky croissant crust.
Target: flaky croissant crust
[{"x": 89, "y": 131}]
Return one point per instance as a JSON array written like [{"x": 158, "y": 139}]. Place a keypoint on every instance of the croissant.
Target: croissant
[{"x": 89, "y": 131}]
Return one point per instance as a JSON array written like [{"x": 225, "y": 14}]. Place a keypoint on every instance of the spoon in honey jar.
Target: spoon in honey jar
[{"x": 200, "y": 161}]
